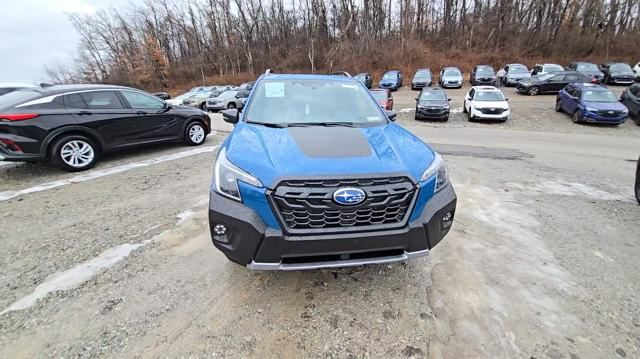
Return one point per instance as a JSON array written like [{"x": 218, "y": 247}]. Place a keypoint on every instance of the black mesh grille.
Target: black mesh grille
[
  {"x": 492, "y": 111},
  {"x": 606, "y": 113},
  {"x": 306, "y": 206}
]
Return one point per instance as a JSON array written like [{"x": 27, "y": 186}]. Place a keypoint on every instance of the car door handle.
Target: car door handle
[
  {"x": 84, "y": 113},
  {"x": 141, "y": 113}
]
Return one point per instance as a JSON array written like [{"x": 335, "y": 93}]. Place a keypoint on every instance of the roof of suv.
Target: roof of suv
[
  {"x": 487, "y": 88},
  {"x": 286, "y": 77},
  {"x": 584, "y": 85},
  {"x": 56, "y": 89}
]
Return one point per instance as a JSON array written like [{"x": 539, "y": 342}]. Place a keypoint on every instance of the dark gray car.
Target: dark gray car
[
  {"x": 515, "y": 73},
  {"x": 421, "y": 79}
]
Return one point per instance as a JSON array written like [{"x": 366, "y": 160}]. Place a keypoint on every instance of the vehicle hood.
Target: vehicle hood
[
  {"x": 452, "y": 77},
  {"x": 434, "y": 103},
  {"x": 524, "y": 75},
  {"x": 622, "y": 73},
  {"x": 421, "y": 78},
  {"x": 273, "y": 153},
  {"x": 490, "y": 104},
  {"x": 611, "y": 106}
]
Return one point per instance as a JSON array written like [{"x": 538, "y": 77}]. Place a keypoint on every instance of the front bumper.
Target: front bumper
[
  {"x": 252, "y": 243},
  {"x": 389, "y": 86},
  {"x": 447, "y": 84},
  {"x": 621, "y": 81},
  {"x": 425, "y": 114},
  {"x": 478, "y": 115},
  {"x": 479, "y": 82},
  {"x": 596, "y": 118},
  {"x": 216, "y": 107},
  {"x": 419, "y": 85}
]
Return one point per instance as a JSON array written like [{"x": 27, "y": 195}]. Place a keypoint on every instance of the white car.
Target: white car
[
  {"x": 541, "y": 69},
  {"x": 636, "y": 70},
  {"x": 486, "y": 103}
]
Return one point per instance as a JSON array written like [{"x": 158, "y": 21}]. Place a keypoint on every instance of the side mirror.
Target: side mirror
[
  {"x": 230, "y": 116},
  {"x": 506, "y": 99},
  {"x": 391, "y": 115},
  {"x": 449, "y": 99},
  {"x": 417, "y": 98}
]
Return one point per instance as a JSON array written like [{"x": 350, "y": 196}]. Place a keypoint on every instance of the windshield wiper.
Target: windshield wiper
[
  {"x": 267, "y": 124},
  {"x": 325, "y": 124}
]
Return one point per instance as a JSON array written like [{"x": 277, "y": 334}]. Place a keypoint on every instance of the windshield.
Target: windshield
[
  {"x": 312, "y": 102},
  {"x": 433, "y": 96},
  {"x": 587, "y": 67},
  {"x": 620, "y": 67},
  {"x": 599, "y": 96},
  {"x": 379, "y": 95},
  {"x": 488, "y": 96},
  {"x": 484, "y": 71},
  {"x": 518, "y": 69},
  {"x": 17, "y": 97},
  {"x": 390, "y": 76},
  {"x": 422, "y": 73},
  {"x": 553, "y": 68},
  {"x": 452, "y": 73}
]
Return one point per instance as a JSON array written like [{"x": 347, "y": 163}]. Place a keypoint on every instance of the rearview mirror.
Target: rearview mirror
[
  {"x": 230, "y": 116},
  {"x": 391, "y": 115}
]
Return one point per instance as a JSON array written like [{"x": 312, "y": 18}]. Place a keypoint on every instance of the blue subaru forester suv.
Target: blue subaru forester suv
[
  {"x": 587, "y": 102},
  {"x": 316, "y": 175}
]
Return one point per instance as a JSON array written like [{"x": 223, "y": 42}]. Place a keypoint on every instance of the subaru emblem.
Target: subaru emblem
[{"x": 349, "y": 196}]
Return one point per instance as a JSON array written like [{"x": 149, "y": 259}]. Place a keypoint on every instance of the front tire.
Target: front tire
[
  {"x": 558, "y": 106},
  {"x": 195, "y": 134},
  {"x": 533, "y": 90},
  {"x": 74, "y": 153},
  {"x": 577, "y": 117}
]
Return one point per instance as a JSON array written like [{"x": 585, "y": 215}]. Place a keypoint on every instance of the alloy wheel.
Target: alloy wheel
[
  {"x": 196, "y": 133},
  {"x": 77, "y": 153}
]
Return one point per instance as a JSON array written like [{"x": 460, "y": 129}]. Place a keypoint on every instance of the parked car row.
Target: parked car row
[
  {"x": 215, "y": 98},
  {"x": 510, "y": 75}
]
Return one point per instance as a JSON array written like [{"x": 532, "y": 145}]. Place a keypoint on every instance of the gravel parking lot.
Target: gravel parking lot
[{"x": 542, "y": 261}]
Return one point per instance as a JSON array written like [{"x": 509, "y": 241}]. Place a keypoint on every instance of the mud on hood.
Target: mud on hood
[{"x": 273, "y": 153}]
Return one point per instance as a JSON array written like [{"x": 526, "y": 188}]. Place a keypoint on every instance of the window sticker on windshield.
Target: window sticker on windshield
[
  {"x": 350, "y": 86},
  {"x": 274, "y": 89},
  {"x": 373, "y": 118}
]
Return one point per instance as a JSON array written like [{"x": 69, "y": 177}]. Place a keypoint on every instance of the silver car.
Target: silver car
[
  {"x": 541, "y": 69},
  {"x": 513, "y": 73},
  {"x": 451, "y": 77},
  {"x": 226, "y": 100}
]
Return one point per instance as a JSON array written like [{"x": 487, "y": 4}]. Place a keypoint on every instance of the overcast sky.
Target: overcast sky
[{"x": 34, "y": 33}]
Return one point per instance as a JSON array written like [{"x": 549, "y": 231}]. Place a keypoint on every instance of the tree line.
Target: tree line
[{"x": 160, "y": 43}]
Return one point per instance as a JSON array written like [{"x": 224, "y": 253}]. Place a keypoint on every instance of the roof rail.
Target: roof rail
[
  {"x": 45, "y": 84},
  {"x": 268, "y": 72}
]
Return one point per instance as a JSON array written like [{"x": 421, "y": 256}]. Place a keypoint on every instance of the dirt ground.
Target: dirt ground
[{"x": 542, "y": 261}]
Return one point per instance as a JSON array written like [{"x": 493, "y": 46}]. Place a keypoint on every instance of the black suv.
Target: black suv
[
  {"x": 483, "y": 75},
  {"x": 617, "y": 73},
  {"x": 432, "y": 104},
  {"x": 551, "y": 82},
  {"x": 71, "y": 125}
]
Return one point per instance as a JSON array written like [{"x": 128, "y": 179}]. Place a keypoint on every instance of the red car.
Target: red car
[{"x": 383, "y": 97}]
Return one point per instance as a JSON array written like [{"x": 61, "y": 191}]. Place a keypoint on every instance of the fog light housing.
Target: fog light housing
[
  {"x": 219, "y": 229},
  {"x": 447, "y": 220}
]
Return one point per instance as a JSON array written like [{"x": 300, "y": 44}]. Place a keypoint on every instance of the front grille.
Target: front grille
[
  {"x": 433, "y": 110},
  {"x": 307, "y": 206},
  {"x": 608, "y": 113},
  {"x": 492, "y": 111}
]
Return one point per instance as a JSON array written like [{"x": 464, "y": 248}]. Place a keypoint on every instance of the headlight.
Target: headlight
[
  {"x": 226, "y": 176},
  {"x": 439, "y": 169},
  {"x": 625, "y": 112},
  {"x": 589, "y": 109}
]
